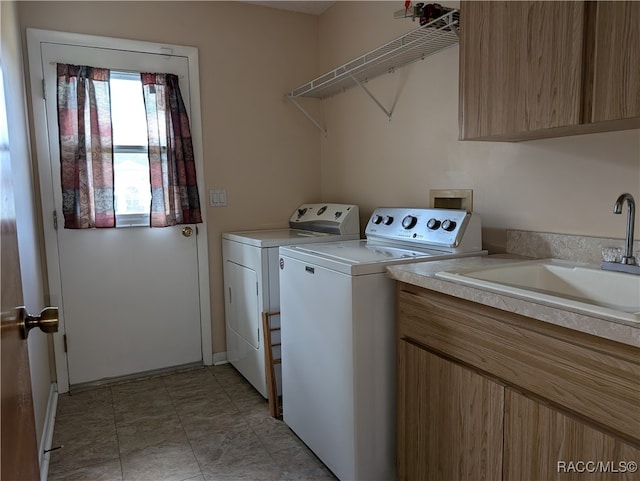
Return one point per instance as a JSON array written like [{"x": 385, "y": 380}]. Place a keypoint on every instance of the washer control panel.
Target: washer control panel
[{"x": 449, "y": 228}]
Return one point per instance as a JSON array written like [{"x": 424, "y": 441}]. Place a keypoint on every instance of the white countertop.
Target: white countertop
[{"x": 423, "y": 274}]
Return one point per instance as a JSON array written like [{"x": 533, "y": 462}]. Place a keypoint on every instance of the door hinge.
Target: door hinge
[
  {"x": 44, "y": 89},
  {"x": 55, "y": 219},
  {"x": 64, "y": 340}
]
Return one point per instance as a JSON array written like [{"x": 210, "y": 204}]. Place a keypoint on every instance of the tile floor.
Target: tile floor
[{"x": 206, "y": 424}]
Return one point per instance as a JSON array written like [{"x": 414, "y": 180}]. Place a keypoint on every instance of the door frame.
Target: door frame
[{"x": 36, "y": 37}]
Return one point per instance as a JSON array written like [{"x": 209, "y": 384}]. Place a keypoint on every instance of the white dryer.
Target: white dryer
[{"x": 251, "y": 278}]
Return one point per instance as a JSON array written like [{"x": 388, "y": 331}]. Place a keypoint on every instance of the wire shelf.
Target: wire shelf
[{"x": 415, "y": 45}]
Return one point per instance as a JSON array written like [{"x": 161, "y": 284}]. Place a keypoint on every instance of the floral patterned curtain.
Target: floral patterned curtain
[
  {"x": 174, "y": 191},
  {"x": 86, "y": 146}
]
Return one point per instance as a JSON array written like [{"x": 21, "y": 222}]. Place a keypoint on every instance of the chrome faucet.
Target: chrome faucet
[{"x": 628, "y": 257}]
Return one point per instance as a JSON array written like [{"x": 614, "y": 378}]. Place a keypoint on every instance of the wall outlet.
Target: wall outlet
[{"x": 218, "y": 198}]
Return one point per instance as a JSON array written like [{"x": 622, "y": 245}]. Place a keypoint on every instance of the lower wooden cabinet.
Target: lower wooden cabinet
[
  {"x": 484, "y": 394},
  {"x": 450, "y": 419},
  {"x": 543, "y": 443}
]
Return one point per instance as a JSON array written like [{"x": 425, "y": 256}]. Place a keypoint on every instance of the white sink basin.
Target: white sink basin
[{"x": 577, "y": 286}]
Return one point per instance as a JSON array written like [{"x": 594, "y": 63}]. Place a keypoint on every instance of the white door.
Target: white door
[{"x": 132, "y": 299}]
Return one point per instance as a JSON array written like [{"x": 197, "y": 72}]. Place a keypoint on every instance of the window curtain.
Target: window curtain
[
  {"x": 174, "y": 191},
  {"x": 86, "y": 146}
]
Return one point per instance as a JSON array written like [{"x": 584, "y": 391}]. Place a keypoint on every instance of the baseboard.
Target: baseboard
[
  {"x": 220, "y": 358},
  {"x": 47, "y": 432},
  {"x": 137, "y": 376}
]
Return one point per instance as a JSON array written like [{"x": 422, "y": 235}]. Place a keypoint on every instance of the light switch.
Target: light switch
[{"x": 218, "y": 198}]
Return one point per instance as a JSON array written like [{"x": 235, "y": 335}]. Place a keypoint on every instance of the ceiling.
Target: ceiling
[{"x": 312, "y": 7}]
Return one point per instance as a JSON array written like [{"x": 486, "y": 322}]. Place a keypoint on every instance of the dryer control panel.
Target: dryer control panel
[{"x": 328, "y": 218}]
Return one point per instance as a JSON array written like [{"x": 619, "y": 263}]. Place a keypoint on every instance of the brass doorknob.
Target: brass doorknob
[
  {"x": 187, "y": 231},
  {"x": 47, "y": 321}
]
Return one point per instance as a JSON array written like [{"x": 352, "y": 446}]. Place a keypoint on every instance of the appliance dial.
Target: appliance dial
[
  {"x": 409, "y": 221},
  {"x": 337, "y": 215},
  {"x": 433, "y": 224},
  {"x": 376, "y": 219},
  {"x": 302, "y": 212},
  {"x": 449, "y": 225},
  {"x": 388, "y": 220}
]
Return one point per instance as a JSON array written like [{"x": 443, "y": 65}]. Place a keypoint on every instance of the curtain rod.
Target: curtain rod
[{"x": 120, "y": 70}]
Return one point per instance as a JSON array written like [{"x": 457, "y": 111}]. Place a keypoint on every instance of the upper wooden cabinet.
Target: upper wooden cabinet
[
  {"x": 531, "y": 70},
  {"x": 616, "y": 62}
]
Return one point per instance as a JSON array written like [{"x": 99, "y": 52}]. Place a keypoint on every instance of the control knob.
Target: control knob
[
  {"x": 433, "y": 224},
  {"x": 302, "y": 212},
  {"x": 449, "y": 225},
  {"x": 376, "y": 219},
  {"x": 387, "y": 220},
  {"x": 409, "y": 221}
]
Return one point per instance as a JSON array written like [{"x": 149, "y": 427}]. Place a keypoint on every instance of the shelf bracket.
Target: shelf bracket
[
  {"x": 307, "y": 115},
  {"x": 372, "y": 97}
]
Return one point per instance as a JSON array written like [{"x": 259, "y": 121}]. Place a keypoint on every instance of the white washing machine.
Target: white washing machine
[
  {"x": 251, "y": 284},
  {"x": 338, "y": 334}
]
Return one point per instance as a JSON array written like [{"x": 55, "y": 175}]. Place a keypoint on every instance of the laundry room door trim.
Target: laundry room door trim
[{"x": 35, "y": 39}]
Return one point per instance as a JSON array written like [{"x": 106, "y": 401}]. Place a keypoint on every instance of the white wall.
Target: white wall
[
  {"x": 26, "y": 213},
  {"x": 565, "y": 185}
]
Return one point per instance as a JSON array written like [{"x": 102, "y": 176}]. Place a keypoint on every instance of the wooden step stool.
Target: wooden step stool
[{"x": 275, "y": 399}]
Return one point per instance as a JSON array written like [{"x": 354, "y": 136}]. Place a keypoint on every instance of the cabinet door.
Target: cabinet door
[
  {"x": 616, "y": 64},
  {"x": 450, "y": 420},
  {"x": 521, "y": 67},
  {"x": 544, "y": 444}
]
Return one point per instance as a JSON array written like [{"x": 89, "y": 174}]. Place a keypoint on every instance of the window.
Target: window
[
  {"x": 103, "y": 143},
  {"x": 132, "y": 189}
]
